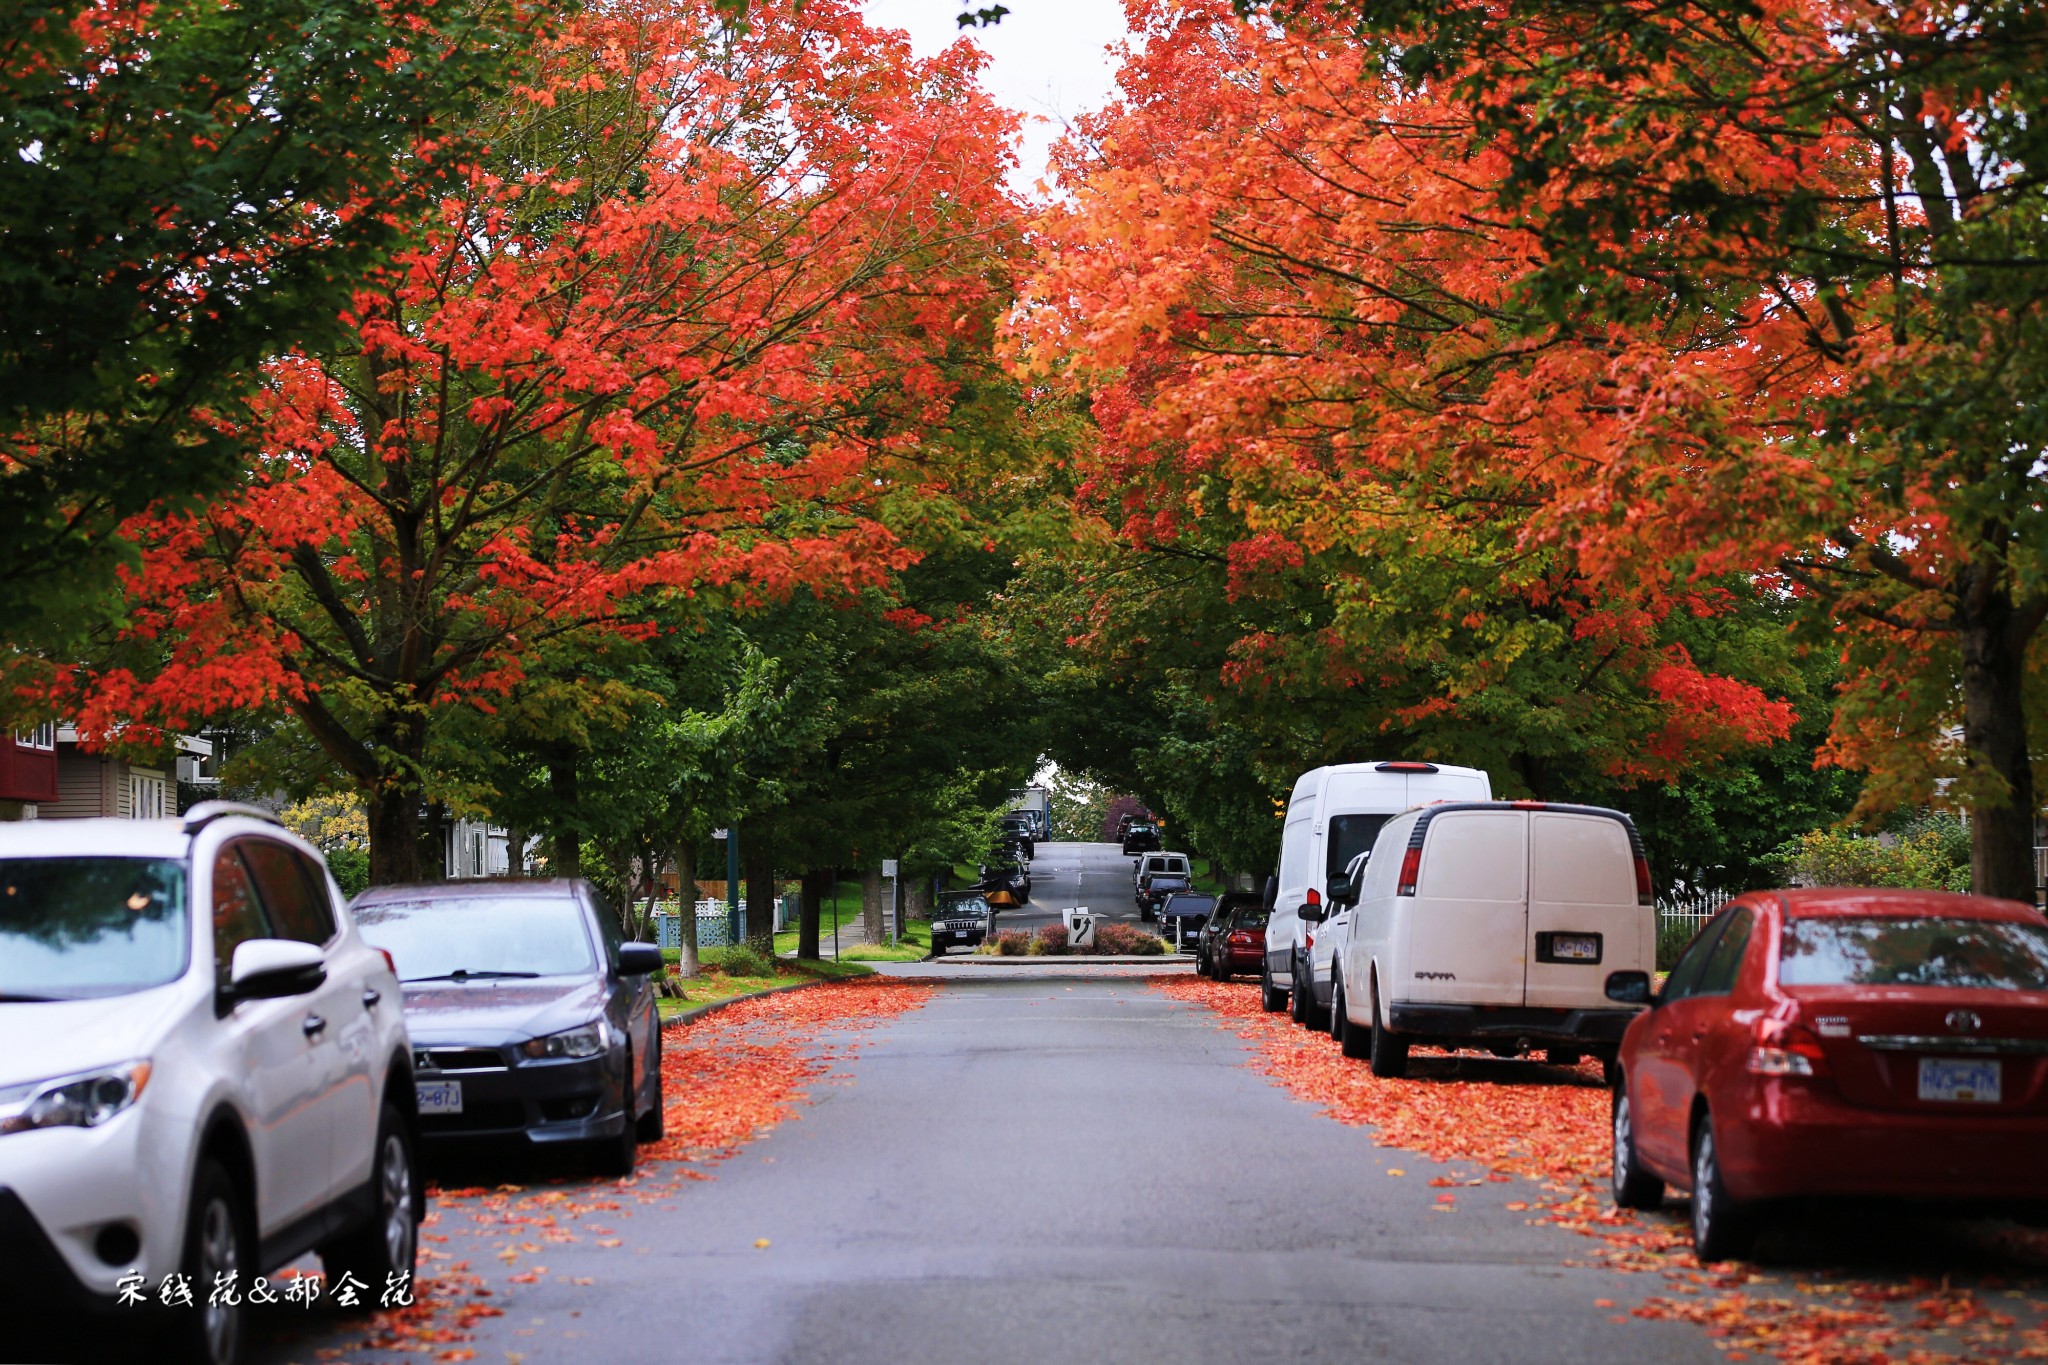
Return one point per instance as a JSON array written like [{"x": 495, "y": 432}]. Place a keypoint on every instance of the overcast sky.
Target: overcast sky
[{"x": 1049, "y": 58}]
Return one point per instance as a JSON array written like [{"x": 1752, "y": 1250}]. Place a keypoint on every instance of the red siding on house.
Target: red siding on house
[{"x": 26, "y": 774}]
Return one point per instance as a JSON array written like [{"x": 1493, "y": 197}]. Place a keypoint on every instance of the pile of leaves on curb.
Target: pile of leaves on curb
[
  {"x": 1550, "y": 1125},
  {"x": 729, "y": 1078}
]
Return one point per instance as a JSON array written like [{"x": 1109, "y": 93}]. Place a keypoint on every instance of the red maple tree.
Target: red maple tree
[{"x": 680, "y": 335}]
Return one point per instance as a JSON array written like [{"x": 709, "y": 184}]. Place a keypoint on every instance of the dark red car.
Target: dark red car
[
  {"x": 1858, "y": 1044},
  {"x": 1238, "y": 943}
]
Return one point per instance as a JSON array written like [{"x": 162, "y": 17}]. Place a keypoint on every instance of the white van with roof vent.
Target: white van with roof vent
[
  {"x": 1333, "y": 818},
  {"x": 1494, "y": 924}
]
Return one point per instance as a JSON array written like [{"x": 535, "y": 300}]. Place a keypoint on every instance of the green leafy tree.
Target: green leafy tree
[{"x": 188, "y": 189}]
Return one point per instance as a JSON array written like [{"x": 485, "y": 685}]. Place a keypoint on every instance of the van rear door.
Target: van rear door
[
  {"x": 1469, "y": 919},
  {"x": 1584, "y": 917}
]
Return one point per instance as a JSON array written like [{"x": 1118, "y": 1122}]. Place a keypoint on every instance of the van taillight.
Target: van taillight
[
  {"x": 1645, "y": 893},
  {"x": 1411, "y": 868},
  {"x": 1314, "y": 897},
  {"x": 1406, "y": 766}
]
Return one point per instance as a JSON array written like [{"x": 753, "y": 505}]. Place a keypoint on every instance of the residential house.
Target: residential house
[{"x": 28, "y": 772}]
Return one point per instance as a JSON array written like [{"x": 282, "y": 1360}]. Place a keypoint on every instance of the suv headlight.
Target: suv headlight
[
  {"x": 587, "y": 1041},
  {"x": 86, "y": 1100}
]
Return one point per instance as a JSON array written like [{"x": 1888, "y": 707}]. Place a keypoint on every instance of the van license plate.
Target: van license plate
[
  {"x": 1575, "y": 947},
  {"x": 1956, "y": 1080},
  {"x": 439, "y": 1097}
]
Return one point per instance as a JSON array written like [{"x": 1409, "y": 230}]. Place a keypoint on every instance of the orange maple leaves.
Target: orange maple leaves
[{"x": 1549, "y": 1125}]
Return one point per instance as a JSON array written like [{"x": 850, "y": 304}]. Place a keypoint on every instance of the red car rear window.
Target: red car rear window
[{"x": 1875, "y": 951}]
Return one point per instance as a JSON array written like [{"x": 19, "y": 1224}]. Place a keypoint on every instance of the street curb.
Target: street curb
[{"x": 693, "y": 1015}]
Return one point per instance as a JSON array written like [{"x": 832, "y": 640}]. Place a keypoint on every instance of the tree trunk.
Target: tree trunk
[
  {"x": 757, "y": 852},
  {"x": 395, "y": 831},
  {"x": 874, "y": 892},
  {"x": 515, "y": 845},
  {"x": 810, "y": 912},
  {"x": 1995, "y": 734},
  {"x": 917, "y": 899},
  {"x": 685, "y": 855},
  {"x": 567, "y": 850}
]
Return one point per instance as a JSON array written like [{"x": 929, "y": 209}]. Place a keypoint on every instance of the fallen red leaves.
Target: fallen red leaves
[
  {"x": 729, "y": 1077},
  {"x": 1550, "y": 1126}
]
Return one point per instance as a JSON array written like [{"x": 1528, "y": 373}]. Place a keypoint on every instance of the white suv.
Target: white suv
[{"x": 204, "y": 1074}]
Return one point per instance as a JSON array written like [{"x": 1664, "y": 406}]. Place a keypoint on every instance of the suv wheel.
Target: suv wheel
[
  {"x": 389, "y": 1243},
  {"x": 217, "y": 1245}
]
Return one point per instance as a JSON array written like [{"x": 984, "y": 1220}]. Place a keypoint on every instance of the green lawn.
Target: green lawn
[
  {"x": 714, "y": 983},
  {"x": 848, "y": 902}
]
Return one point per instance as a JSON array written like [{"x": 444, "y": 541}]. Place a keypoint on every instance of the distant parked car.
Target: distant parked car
[
  {"x": 1172, "y": 864},
  {"x": 1488, "y": 924},
  {"x": 1022, "y": 831},
  {"x": 1006, "y": 883},
  {"x": 1888, "y": 1044},
  {"x": 1181, "y": 917},
  {"x": 531, "y": 1019},
  {"x": 1234, "y": 938},
  {"x": 203, "y": 1072},
  {"x": 961, "y": 919},
  {"x": 1141, "y": 837},
  {"x": 1154, "y": 888}
]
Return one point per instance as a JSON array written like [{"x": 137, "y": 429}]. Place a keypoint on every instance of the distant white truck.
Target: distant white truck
[
  {"x": 1035, "y": 802},
  {"x": 1333, "y": 816}
]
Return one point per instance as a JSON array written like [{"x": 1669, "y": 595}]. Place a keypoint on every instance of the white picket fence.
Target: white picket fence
[{"x": 1681, "y": 917}]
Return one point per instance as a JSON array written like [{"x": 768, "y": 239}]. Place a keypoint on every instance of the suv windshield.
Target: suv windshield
[
  {"x": 1873, "y": 951},
  {"x": 481, "y": 936},
  {"x": 967, "y": 908},
  {"x": 80, "y": 928}
]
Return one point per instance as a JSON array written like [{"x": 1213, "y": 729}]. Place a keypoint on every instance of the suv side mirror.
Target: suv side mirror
[
  {"x": 267, "y": 968},
  {"x": 639, "y": 959},
  {"x": 1630, "y": 988}
]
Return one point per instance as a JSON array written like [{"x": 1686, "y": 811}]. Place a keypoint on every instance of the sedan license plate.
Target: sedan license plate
[
  {"x": 1575, "y": 947},
  {"x": 439, "y": 1097},
  {"x": 1959, "y": 1080}
]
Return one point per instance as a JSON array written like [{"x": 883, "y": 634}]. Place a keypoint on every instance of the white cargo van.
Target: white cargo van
[
  {"x": 1333, "y": 816},
  {"x": 1494, "y": 924}
]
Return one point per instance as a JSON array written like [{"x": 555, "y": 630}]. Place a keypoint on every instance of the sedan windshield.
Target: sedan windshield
[
  {"x": 482, "y": 936},
  {"x": 79, "y": 928},
  {"x": 1957, "y": 953}
]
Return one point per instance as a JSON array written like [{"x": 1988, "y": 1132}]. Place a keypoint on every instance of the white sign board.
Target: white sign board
[
  {"x": 888, "y": 867},
  {"x": 1080, "y": 926}
]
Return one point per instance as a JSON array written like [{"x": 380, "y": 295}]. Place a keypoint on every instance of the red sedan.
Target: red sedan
[{"x": 1863, "y": 1044}]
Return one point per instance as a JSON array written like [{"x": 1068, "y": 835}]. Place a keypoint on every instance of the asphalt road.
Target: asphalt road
[
  {"x": 1095, "y": 875},
  {"x": 1046, "y": 1170}
]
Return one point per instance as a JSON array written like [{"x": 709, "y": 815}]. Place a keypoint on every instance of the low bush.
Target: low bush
[
  {"x": 1931, "y": 852},
  {"x": 1012, "y": 943},
  {"x": 1124, "y": 940},
  {"x": 1049, "y": 941},
  {"x": 743, "y": 960}
]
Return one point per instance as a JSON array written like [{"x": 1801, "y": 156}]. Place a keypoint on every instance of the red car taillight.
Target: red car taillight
[
  {"x": 1243, "y": 939},
  {"x": 1411, "y": 870},
  {"x": 1784, "y": 1049}
]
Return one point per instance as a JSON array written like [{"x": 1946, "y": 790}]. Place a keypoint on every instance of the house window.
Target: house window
[
  {"x": 43, "y": 737},
  {"x": 149, "y": 796}
]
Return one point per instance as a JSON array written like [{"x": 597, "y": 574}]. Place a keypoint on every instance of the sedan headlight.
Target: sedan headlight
[
  {"x": 587, "y": 1041},
  {"x": 86, "y": 1100}
]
